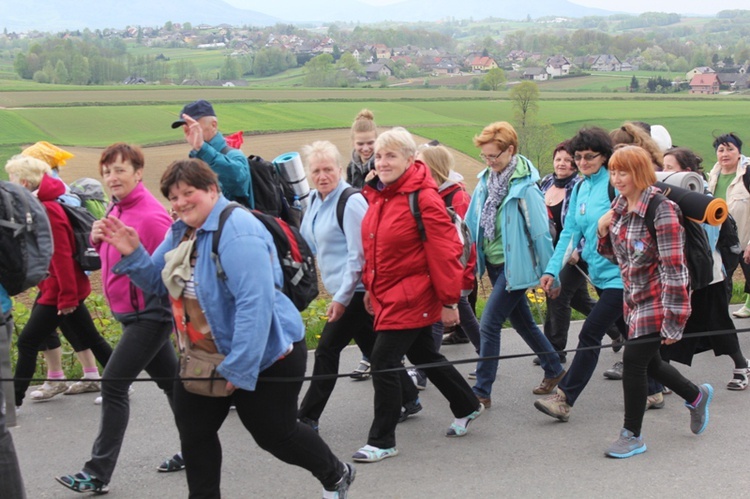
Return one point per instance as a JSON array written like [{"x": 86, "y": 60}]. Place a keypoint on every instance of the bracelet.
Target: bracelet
[{"x": 452, "y": 306}]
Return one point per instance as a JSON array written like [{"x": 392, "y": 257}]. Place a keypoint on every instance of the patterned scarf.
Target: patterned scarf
[{"x": 497, "y": 188}]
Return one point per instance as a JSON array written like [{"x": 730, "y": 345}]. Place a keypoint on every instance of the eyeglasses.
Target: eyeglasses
[
  {"x": 587, "y": 157},
  {"x": 491, "y": 158}
]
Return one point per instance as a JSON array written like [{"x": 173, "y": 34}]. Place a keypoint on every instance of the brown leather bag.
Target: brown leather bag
[{"x": 198, "y": 370}]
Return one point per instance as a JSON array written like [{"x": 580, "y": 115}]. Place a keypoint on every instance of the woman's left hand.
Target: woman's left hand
[
  {"x": 115, "y": 233},
  {"x": 746, "y": 255},
  {"x": 230, "y": 388},
  {"x": 449, "y": 317}
]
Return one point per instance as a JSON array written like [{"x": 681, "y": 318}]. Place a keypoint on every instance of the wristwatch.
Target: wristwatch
[{"x": 452, "y": 306}]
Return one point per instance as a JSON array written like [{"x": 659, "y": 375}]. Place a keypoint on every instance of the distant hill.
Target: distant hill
[{"x": 57, "y": 15}]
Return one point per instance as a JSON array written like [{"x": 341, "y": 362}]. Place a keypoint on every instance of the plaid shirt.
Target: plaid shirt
[{"x": 654, "y": 273}]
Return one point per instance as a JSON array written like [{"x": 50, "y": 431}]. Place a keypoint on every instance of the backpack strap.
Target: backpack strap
[
  {"x": 651, "y": 213},
  {"x": 417, "y": 213},
  {"x": 341, "y": 205},
  {"x": 448, "y": 200},
  {"x": 610, "y": 191},
  {"x": 217, "y": 237}
]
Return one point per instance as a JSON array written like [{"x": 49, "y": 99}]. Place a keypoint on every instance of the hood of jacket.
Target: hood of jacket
[{"x": 50, "y": 188}]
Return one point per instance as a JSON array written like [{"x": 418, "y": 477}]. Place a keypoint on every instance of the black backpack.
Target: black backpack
[
  {"x": 698, "y": 254},
  {"x": 295, "y": 257},
  {"x": 81, "y": 221},
  {"x": 25, "y": 239}
]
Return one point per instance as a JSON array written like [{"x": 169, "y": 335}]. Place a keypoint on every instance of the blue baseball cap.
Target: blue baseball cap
[{"x": 195, "y": 110}]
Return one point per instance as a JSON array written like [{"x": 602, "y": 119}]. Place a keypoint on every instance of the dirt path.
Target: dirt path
[{"x": 85, "y": 163}]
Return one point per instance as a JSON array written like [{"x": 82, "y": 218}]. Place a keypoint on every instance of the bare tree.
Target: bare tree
[{"x": 525, "y": 99}]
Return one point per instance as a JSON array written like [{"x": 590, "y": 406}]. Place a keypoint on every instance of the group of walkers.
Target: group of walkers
[{"x": 399, "y": 270}]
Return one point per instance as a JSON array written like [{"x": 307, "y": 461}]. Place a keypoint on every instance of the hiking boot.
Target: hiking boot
[
  {"x": 555, "y": 405},
  {"x": 454, "y": 339},
  {"x": 410, "y": 408},
  {"x": 459, "y": 428},
  {"x": 419, "y": 378},
  {"x": 548, "y": 384},
  {"x": 370, "y": 454},
  {"x": 699, "y": 413},
  {"x": 614, "y": 372},
  {"x": 48, "y": 390},
  {"x": 485, "y": 401},
  {"x": 83, "y": 482},
  {"x": 362, "y": 372},
  {"x": 655, "y": 401},
  {"x": 626, "y": 446},
  {"x": 84, "y": 386},
  {"x": 342, "y": 487}
]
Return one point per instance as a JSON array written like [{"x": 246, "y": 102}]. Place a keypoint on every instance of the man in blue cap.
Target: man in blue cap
[{"x": 198, "y": 121}]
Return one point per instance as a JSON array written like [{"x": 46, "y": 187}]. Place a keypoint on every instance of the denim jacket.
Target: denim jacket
[
  {"x": 524, "y": 226},
  {"x": 252, "y": 321},
  {"x": 339, "y": 253}
]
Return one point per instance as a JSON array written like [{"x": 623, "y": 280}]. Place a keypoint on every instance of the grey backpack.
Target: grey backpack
[{"x": 25, "y": 239}]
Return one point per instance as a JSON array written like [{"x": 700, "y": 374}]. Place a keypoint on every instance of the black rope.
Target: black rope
[{"x": 297, "y": 379}]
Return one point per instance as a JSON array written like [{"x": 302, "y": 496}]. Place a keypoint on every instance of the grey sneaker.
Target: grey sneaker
[
  {"x": 614, "y": 372},
  {"x": 48, "y": 390},
  {"x": 626, "y": 446},
  {"x": 342, "y": 488},
  {"x": 699, "y": 413}
]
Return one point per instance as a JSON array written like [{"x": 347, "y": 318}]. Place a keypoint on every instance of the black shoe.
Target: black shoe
[
  {"x": 618, "y": 344},
  {"x": 454, "y": 339},
  {"x": 311, "y": 423},
  {"x": 563, "y": 358},
  {"x": 537, "y": 361},
  {"x": 410, "y": 408}
]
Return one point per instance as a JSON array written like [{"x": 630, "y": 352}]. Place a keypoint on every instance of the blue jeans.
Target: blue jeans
[
  {"x": 11, "y": 484},
  {"x": 143, "y": 345},
  {"x": 607, "y": 311},
  {"x": 501, "y": 305}
]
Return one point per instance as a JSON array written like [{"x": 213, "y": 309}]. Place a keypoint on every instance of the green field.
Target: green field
[{"x": 97, "y": 117}]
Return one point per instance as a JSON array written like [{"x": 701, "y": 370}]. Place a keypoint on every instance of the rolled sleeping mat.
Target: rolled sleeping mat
[
  {"x": 690, "y": 181},
  {"x": 696, "y": 206},
  {"x": 291, "y": 169}
]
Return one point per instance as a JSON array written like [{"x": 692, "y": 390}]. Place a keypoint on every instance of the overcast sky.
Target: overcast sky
[{"x": 635, "y": 6}]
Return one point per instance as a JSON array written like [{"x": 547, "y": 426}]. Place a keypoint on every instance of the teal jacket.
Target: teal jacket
[
  {"x": 524, "y": 226},
  {"x": 588, "y": 202},
  {"x": 232, "y": 168}
]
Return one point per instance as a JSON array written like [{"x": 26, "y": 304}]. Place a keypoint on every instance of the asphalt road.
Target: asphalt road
[{"x": 513, "y": 450}]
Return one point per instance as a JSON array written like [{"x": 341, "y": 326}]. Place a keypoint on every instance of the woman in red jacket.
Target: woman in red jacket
[
  {"x": 61, "y": 295},
  {"x": 410, "y": 284}
]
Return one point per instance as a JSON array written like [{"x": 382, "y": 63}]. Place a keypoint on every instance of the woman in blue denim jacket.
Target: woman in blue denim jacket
[
  {"x": 252, "y": 323},
  {"x": 509, "y": 223}
]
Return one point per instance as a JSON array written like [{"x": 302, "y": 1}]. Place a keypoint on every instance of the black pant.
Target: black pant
[
  {"x": 270, "y": 415},
  {"x": 42, "y": 322},
  {"x": 355, "y": 324},
  {"x": 574, "y": 293},
  {"x": 419, "y": 347},
  {"x": 641, "y": 357}
]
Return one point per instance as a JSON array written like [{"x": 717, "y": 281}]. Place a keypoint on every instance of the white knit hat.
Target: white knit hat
[{"x": 661, "y": 137}]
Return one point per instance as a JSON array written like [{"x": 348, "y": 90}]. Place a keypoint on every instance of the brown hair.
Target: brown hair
[
  {"x": 364, "y": 122},
  {"x": 686, "y": 158},
  {"x": 194, "y": 172},
  {"x": 630, "y": 133},
  {"x": 636, "y": 161},
  {"x": 501, "y": 133},
  {"x": 440, "y": 160},
  {"x": 125, "y": 152}
]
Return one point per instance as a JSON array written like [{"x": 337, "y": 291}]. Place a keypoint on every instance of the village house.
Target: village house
[
  {"x": 536, "y": 74},
  {"x": 483, "y": 64},
  {"x": 558, "y": 65},
  {"x": 705, "y": 84},
  {"x": 378, "y": 70}
]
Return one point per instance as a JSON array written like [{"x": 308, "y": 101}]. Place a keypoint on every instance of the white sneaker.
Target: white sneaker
[
  {"x": 48, "y": 390},
  {"x": 742, "y": 313},
  {"x": 98, "y": 400}
]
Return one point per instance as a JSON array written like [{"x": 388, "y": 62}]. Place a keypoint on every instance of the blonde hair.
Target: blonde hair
[
  {"x": 28, "y": 169},
  {"x": 364, "y": 122},
  {"x": 321, "y": 149},
  {"x": 397, "y": 138},
  {"x": 636, "y": 161},
  {"x": 440, "y": 160},
  {"x": 501, "y": 133},
  {"x": 630, "y": 133}
]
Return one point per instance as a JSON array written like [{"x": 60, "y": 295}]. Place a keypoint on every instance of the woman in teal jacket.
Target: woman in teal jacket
[{"x": 509, "y": 223}]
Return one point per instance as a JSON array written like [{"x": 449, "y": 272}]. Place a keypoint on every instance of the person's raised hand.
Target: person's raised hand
[{"x": 193, "y": 132}]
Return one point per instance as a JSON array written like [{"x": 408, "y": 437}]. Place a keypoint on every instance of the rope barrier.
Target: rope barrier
[{"x": 297, "y": 379}]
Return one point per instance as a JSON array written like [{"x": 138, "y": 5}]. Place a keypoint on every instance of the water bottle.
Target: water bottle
[{"x": 296, "y": 204}]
